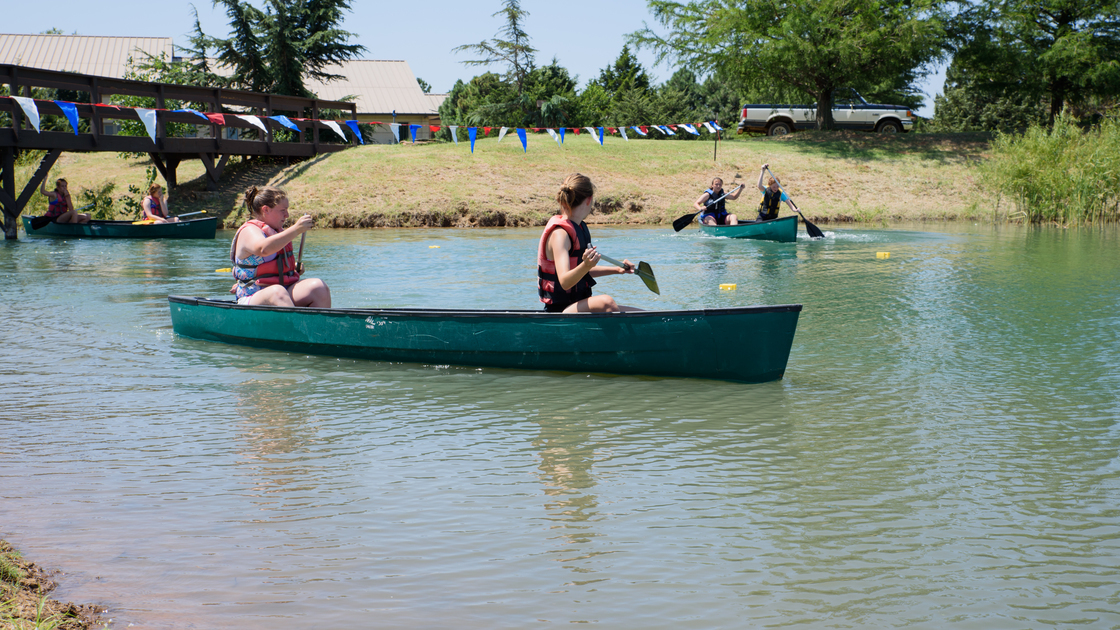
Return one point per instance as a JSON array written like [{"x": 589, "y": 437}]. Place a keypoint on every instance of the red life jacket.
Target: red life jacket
[
  {"x": 269, "y": 272},
  {"x": 548, "y": 283},
  {"x": 155, "y": 207}
]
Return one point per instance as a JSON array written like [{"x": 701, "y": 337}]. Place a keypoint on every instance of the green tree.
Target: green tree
[
  {"x": 814, "y": 46},
  {"x": 514, "y": 51},
  {"x": 1065, "y": 50},
  {"x": 625, "y": 74},
  {"x": 276, "y": 49},
  {"x": 424, "y": 85}
]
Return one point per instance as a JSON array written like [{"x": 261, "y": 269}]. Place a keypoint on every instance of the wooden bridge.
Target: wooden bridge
[{"x": 166, "y": 151}]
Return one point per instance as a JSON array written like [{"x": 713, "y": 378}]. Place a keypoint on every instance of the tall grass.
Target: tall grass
[{"x": 1063, "y": 175}]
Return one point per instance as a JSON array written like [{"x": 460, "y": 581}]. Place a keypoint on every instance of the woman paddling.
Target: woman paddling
[
  {"x": 566, "y": 259},
  {"x": 772, "y": 197},
  {"x": 711, "y": 204},
  {"x": 60, "y": 208},
  {"x": 155, "y": 206},
  {"x": 264, "y": 264}
]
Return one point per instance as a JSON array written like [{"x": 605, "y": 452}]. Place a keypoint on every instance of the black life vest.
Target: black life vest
[
  {"x": 769, "y": 206},
  {"x": 715, "y": 207},
  {"x": 548, "y": 282}
]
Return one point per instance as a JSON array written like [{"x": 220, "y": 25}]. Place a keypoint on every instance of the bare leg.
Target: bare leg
[
  {"x": 311, "y": 292},
  {"x": 733, "y": 219},
  {"x": 598, "y": 304},
  {"x": 274, "y": 295}
]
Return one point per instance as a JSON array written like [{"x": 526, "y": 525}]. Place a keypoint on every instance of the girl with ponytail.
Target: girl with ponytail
[
  {"x": 264, "y": 264},
  {"x": 566, "y": 259}
]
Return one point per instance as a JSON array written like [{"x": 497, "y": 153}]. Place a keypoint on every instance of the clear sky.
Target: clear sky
[{"x": 584, "y": 35}]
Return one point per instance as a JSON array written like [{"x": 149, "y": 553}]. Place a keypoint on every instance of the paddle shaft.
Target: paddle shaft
[
  {"x": 299, "y": 259},
  {"x": 681, "y": 224},
  {"x": 619, "y": 264},
  {"x": 710, "y": 202},
  {"x": 191, "y": 214}
]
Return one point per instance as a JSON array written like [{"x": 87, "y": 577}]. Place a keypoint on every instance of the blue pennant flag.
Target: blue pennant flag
[
  {"x": 524, "y": 141},
  {"x": 195, "y": 112},
  {"x": 472, "y": 132},
  {"x": 561, "y": 135},
  {"x": 353, "y": 125},
  {"x": 600, "y": 136},
  {"x": 71, "y": 112},
  {"x": 283, "y": 120},
  {"x": 412, "y": 129}
]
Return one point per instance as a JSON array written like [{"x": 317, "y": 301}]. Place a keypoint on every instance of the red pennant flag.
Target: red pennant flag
[
  {"x": 486, "y": 131},
  {"x": 376, "y": 122},
  {"x": 434, "y": 128},
  {"x": 576, "y": 129},
  {"x": 611, "y": 129},
  {"x": 673, "y": 127},
  {"x": 117, "y": 107},
  {"x": 219, "y": 118},
  {"x": 644, "y": 128}
]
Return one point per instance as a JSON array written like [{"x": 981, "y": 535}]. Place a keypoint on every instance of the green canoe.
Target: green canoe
[
  {"x": 749, "y": 344},
  {"x": 783, "y": 230},
  {"x": 192, "y": 228}
]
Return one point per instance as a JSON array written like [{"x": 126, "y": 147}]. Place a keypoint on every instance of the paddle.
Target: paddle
[
  {"x": 644, "y": 271},
  {"x": 299, "y": 259},
  {"x": 814, "y": 231},
  {"x": 38, "y": 222},
  {"x": 191, "y": 214},
  {"x": 683, "y": 222}
]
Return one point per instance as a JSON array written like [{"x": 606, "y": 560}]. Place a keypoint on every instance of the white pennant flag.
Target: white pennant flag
[
  {"x": 667, "y": 130},
  {"x": 148, "y": 117},
  {"x": 396, "y": 131},
  {"x": 709, "y": 126},
  {"x": 622, "y": 130},
  {"x": 502, "y": 133},
  {"x": 554, "y": 135},
  {"x": 690, "y": 129},
  {"x": 594, "y": 134},
  {"x": 334, "y": 127},
  {"x": 454, "y": 133},
  {"x": 639, "y": 130},
  {"x": 256, "y": 122},
  {"x": 29, "y": 108}
]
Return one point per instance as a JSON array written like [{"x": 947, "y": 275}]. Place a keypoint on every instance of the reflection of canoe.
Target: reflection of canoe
[
  {"x": 783, "y": 230},
  {"x": 748, "y": 344},
  {"x": 192, "y": 228}
]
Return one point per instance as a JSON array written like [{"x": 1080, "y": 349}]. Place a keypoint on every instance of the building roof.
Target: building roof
[
  {"x": 99, "y": 56},
  {"x": 381, "y": 87}
]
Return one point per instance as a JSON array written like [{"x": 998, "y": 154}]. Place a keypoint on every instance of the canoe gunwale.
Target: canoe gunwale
[
  {"x": 198, "y": 229},
  {"x": 437, "y": 312},
  {"x": 753, "y": 230}
]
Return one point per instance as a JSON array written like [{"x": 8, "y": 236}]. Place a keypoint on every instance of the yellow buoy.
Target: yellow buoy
[
  {"x": 226, "y": 270},
  {"x": 727, "y": 287},
  {"x": 882, "y": 254},
  {"x": 433, "y": 247}
]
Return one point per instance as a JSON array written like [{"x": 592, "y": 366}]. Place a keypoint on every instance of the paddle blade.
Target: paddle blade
[
  {"x": 814, "y": 231},
  {"x": 645, "y": 272},
  {"x": 38, "y": 222},
  {"x": 683, "y": 222}
]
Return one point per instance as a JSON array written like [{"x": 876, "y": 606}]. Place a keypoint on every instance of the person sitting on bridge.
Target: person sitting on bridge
[
  {"x": 772, "y": 197},
  {"x": 711, "y": 204},
  {"x": 60, "y": 208},
  {"x": 155, "y": 206},
  {"x": 264, "y": 264}
]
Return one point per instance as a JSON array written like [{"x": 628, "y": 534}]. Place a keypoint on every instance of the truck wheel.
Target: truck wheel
[
  {"x": 778, "y": 129},
  {"x": 889, "y": 126}
]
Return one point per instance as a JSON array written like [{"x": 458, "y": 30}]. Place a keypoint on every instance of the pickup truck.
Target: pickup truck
[{"x": 849, "y": 111}]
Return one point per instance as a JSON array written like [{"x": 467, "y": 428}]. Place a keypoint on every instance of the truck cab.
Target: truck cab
[{"x": 849, "y": 111}]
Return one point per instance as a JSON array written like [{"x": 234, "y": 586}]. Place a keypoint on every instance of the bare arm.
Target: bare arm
[
  {"x": 255, "y": 243},
  {"x": 735, "y": 195},
  {"x": 761, "y": 174},
  {"x": 50, "y": 194},
  {"x": 558, "y": 246},
  {"x": 699, "y": 205}
]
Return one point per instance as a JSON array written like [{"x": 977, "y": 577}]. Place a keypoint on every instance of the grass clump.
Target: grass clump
[{"x": 1063, "y": 175}]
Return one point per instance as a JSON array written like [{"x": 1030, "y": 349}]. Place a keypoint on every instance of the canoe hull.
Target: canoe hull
[
  {"x": 749, "y": 344},
  {"x": 193, "y": 228},
  {"x": 783, "y": 230}
]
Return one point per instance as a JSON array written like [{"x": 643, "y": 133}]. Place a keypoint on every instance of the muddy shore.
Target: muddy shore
[{"x": 25, "y": 600}]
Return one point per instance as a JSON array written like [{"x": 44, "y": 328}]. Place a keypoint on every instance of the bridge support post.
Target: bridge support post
[{"x": 13, "y": 206}]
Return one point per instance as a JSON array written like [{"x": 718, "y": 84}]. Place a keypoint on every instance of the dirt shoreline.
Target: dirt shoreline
[{"x": 25, "y": 600}]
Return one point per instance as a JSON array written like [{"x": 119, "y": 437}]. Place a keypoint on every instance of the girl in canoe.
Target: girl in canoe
[
  {"x": 711, "y": 205},
  {"x": 566, "y": 259},
  {"x": 60, "y": 208},
  {"x": 264, "y": 264},
  {"x": 155, "y": 206},
  {"x": 772, "y": 197}
]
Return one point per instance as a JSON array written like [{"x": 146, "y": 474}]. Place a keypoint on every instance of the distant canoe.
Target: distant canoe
[
  {"x": 748, "y": 344},
  {"x": 192, "y": 228},
  {"x": 783, "y": 230}
]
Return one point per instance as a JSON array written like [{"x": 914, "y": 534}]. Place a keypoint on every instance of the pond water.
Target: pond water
[{"x": 942, "y": 453}]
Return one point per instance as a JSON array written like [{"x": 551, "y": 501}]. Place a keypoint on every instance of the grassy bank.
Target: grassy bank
[
  {"x": 833, "y": 177},
  {"x": 25, "y": 603}
]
